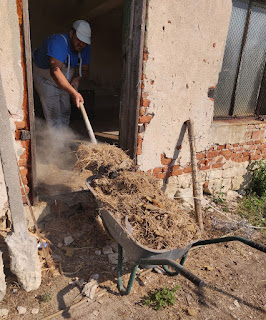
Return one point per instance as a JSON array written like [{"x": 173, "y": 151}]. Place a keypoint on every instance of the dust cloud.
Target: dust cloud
[{"x": 55, "y": 159}]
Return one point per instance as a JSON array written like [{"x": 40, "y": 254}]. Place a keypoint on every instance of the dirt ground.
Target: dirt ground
[{"x": 233, "y": 272}]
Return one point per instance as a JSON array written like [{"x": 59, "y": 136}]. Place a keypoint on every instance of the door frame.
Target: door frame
[{"x": 132, "y": 54}]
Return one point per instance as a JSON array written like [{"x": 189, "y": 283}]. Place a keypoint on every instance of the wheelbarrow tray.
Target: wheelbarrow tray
[{"x": 134, "y": 249}]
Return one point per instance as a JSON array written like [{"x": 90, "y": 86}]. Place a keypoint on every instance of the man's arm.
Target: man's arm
[{"x": 61, "y": 80}]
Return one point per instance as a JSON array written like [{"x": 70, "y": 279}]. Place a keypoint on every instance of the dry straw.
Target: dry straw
[{"x": 136, "y": 197}]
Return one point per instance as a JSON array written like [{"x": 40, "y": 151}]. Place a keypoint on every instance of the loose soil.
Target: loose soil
[{"x": 234, "y": 274}]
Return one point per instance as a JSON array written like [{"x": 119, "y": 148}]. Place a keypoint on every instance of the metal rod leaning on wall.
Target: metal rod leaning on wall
[{"x": 195, "y": 178}]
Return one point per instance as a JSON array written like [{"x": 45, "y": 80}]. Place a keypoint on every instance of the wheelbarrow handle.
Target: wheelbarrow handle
[
  {"x": 178, "y": 267},
  {"x": 248, "y": 242}
]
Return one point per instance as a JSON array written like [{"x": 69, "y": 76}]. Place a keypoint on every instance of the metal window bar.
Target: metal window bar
[{"x": 243, "y": 65}]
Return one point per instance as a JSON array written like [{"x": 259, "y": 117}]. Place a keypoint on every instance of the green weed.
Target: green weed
[
  {"x": 258, "y": 183},
  {"x": 158, "y": 299}
]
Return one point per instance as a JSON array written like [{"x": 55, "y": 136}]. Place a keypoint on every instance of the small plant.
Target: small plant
[
  {"x": 253, "y": 205},
  {"x": 258, "y": 183},
  {"x": 161, "y": 298},
  {"x": 219, "y": 197},
  {"x": 253, "y": 208},
  {"x": 46, "y": 297}
]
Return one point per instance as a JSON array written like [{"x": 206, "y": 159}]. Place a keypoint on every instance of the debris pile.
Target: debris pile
[{"x": 135, "y": 198}]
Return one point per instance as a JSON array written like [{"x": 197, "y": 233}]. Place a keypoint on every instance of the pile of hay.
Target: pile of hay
[{"x": 135, "y": 199}]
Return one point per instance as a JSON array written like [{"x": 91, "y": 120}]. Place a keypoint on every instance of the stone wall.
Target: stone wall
[{"x": 222, "y": 166}]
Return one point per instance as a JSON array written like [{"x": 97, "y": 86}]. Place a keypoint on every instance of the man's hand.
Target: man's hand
[{"x": 77, "y": 97}]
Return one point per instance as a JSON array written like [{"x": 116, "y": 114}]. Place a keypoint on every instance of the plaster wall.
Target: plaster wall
[
  {"x": 11, "y": 77},
  {"x": 185, "y": 43},
  {"x": 10, "y": 56}
]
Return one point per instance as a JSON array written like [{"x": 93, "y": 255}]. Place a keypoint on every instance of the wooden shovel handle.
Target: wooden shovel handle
[{"x": 87, "y": 123}]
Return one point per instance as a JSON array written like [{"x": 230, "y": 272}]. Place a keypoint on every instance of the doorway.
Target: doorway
[{"x": 110, "y": 108}]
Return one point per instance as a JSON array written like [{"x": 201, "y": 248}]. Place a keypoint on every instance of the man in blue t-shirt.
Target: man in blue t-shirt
[{"x": 58, "y": 66}]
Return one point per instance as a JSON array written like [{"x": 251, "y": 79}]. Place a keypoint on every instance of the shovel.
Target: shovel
[{"x": 87, "y": 123}]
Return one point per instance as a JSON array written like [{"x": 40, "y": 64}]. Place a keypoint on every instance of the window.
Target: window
[{"x": 241, "y": 88}]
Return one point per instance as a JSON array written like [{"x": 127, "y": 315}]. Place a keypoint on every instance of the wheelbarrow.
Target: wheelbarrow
[{"x": 143, "y": 256}]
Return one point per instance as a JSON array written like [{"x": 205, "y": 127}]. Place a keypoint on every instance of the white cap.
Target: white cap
[{"x": 83, "y": 31}]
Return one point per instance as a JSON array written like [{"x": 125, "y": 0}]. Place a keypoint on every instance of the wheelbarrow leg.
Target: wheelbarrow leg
[
  {"x": 151, "y": 261},
  {"x": 120, "y": 285}
]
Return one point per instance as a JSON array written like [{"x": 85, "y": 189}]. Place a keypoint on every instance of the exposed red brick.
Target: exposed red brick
[
  {"x": 249, "y": 143},
  {"x": 261, "y": 146},
  {"x": 149, "y": 171},
  {"x": 166, "y": 161},
  {"x": 255, "y": 157},
  {"x": 220, "y": 159},
  {"x": 23, "y": 171},
  {"x": 163, "y": 175},
  {"x": 242, "y": 143},
  {"x": 235, "y": 145},
  {"x": 258, "y": 152},
  {"x": 205, "y": 168},
  {"x": 145, "y": 102},
  {"x": 177, "y": 172},
  {"x": 143, "y": 77},
  {"x": 22, "y": 162},
  {"x": 239, "y": 149},
  {"x": 145, "y": 119},
  {"x": 212, "y": 154},
  {"x": 220, "y": 147},
  {"x": 157, "y": 170},
  {"x": 187, "y": 170},
  {"x": 200, "y": 156},
  {"x": 142, "y": 111},
  {"x": 245, "y": 158},
  {"x": 145, "y": 56},
  {"x": 251, "y": 147},
  {"x": 140, "y": 142},
  {"x": 258, "y": 141},
  {"x": 228, "y": 146},
  {"x": 226, "y": 153},
  {"x": 175, "y": 167},
  {"x": 17, "y": 134},
  {"x": 138, "y": 151}
]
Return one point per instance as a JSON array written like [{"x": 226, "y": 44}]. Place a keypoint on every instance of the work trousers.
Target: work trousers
[{"x": 55, "y": 101}]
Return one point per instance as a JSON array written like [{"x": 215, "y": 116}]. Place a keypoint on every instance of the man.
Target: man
[{"x": 58, "y": 66}]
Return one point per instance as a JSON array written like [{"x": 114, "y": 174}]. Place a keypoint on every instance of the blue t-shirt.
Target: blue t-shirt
[{"x": 55, "y": 46}]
